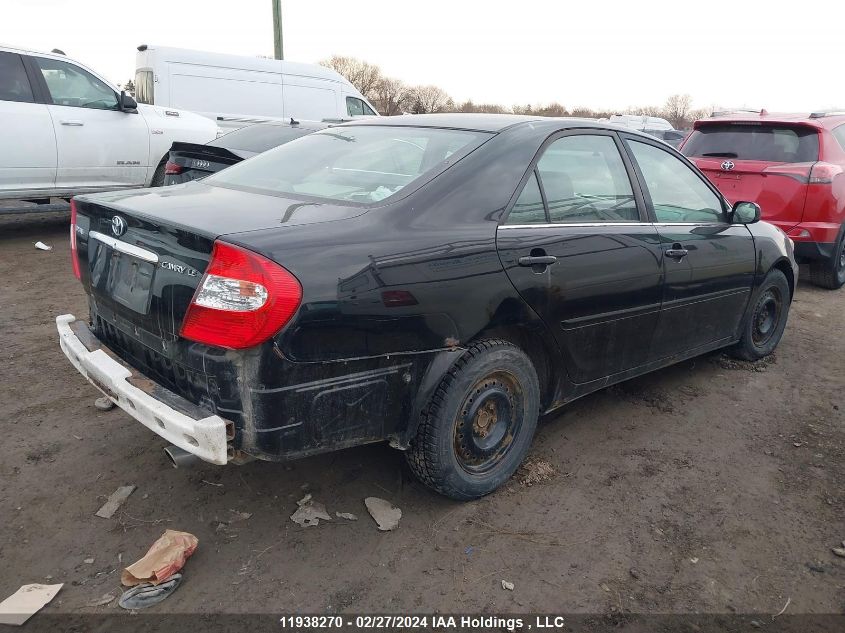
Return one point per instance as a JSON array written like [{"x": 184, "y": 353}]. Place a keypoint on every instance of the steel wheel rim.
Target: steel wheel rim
[
  {"x": 766, "y": 317},
  {"x": 488, "y": 422}
]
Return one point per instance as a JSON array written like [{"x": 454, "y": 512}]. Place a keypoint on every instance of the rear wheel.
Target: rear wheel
[
  {"x": 764, "y": 328},
  {"x": 479, "y": 424},
  {"x": 830, "y": 273}
]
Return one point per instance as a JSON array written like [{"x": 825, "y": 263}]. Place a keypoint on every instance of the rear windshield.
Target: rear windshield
[
  {"x": 259, "y": 138},
  {"x": 363, "y": 164},
  {"x": 770, "y": 143}
]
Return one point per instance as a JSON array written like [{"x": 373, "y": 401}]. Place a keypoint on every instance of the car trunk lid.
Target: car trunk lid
[{"x": 142, "y": 256}]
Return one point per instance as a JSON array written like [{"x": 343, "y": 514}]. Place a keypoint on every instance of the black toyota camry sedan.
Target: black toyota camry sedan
[{"x": 434, "y": 281}]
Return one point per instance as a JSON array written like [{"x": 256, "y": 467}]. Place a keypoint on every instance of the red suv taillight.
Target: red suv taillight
[
  {"x": 172, "y": 168},
  {"x": 242, "y": 300},
  {"x": 74, "y": 256},
  {"x": 824, "y": 173}
]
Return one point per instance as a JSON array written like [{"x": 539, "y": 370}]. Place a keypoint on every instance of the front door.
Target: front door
[
  {"x": 579, "y": 249},
  {"x": 709, "y": 263},
  {"x": 97, "y": 144},
  {"x": 28, "y": 156}
]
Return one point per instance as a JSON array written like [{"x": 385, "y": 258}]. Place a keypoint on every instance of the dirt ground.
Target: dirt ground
[{"x": 713, "y": 486}]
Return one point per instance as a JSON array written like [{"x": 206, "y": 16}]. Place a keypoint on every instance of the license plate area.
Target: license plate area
[{"x": 128, "y": 280}]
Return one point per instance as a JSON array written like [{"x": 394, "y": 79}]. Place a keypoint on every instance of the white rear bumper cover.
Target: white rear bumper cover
[{"x": 206, "y": 438}]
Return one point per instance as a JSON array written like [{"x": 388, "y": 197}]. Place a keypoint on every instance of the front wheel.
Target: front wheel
[
  {"x": 764, "y": 327},
  {"x": 479, "y": 424}
]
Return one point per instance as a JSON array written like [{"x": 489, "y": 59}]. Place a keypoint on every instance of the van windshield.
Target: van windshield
[
  {"x": 144, "y": 87},
  {"x": 363, "y": 164},
  {"x": 768, "y": 143}
]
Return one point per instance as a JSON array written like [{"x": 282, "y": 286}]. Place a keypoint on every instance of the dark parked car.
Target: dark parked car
[
  {"x": 189, "y": 161},
  {"x": 670, "y": 137},
  {"x": 436, "y": 281}
]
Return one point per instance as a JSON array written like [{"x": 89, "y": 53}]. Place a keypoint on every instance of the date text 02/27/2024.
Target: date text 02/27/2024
[{"x": 465, "y": 622}]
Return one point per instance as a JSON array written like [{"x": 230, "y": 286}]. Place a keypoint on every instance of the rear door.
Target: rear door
[
  {"x": 764, "y": 163},
  {"x": 579, "y": 249},
  {"x": 97, "y": 144},
  {"x": 709, "y": 264},
  {"x": 28, "y": 156}
]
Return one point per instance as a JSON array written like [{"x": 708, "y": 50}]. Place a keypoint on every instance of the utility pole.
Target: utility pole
[{"x": 277, "y": 29}]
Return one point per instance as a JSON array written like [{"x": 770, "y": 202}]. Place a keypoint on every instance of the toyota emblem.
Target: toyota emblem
[
  {"x": 728, "y": 165},
  {"x": 118, "y": 226}
]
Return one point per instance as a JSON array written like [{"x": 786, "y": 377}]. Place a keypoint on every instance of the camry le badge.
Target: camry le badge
[
  {"x": 728, "y": 165},
  {"x": 118, "y": 226}
]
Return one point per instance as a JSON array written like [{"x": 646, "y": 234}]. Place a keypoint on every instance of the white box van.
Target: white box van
[{"x": 234, "y": 91}]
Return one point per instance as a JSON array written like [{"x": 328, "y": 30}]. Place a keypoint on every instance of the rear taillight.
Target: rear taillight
[
  {"x": 397, "y": 298},
  {"x": 798, "y": 171},
  {"x": 172, "y": 168},
  {"x": 74, "y": 256},
  {"x": 242, "y": 300},
  {"x": 824, "y": 173}
]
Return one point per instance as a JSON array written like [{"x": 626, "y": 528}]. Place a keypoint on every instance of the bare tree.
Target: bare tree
[
  {"x": 427, "y": 99},
  {"x": 553, "y": 109},
  {"x": 391, "y": 96},
  {"x": 677, "y": 110},
  {"x": 363, "y": 75},
  {"x": 647, "y": 111},
  {"x": 490, "y": 108}
]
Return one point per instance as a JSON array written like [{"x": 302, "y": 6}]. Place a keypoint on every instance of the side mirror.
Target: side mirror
[
  {"x": 745, "y": 213},
  {"x": 127, "y": 103}
]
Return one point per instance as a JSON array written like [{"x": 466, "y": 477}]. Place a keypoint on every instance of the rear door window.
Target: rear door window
[
  {"x": 768, "y": 143},
  {"x": 14, "y": 84},
  {"x": 584, "y": 180}
]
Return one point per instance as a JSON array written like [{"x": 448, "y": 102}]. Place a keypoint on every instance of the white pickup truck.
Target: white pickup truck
[{"x": 64, "y": 130}]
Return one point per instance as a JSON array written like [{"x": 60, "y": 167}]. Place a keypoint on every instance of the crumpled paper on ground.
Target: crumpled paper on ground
[{"x": 166, "y": 556}]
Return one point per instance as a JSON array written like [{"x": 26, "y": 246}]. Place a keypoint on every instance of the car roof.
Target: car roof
[
  {"x": 478, "y": 122},
  {"x": 31, "y": 51},
  {"x": 817, "y": 119},
  {"x": 300, "y": 123}
]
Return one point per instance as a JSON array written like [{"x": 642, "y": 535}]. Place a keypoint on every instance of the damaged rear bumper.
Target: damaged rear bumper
[{"x": 177, "y": 420}]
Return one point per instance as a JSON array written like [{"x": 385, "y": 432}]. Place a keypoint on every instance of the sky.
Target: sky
[{"x": 610, "y": 54}]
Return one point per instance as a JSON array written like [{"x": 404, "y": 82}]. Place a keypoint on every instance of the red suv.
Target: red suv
[{"x": 793, "y": 166}]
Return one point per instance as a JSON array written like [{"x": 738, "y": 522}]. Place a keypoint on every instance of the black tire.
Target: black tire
[
  {"x": 479, "y": 424},
  {"x": 764, "y": 327},
  {"x": 158, "y": 177},
  {"x": 830, "y": 273}
]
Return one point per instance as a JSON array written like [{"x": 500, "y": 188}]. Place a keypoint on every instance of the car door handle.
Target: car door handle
[
  {"x": 677, "y": 252},
  {"x": 537, "y": 260},
  {"x": 72, "y": 123}
]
